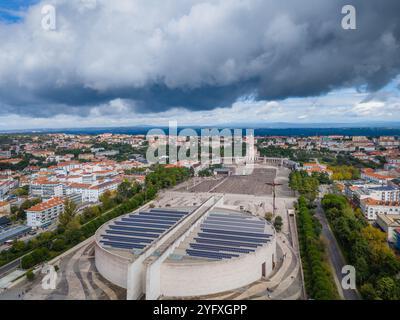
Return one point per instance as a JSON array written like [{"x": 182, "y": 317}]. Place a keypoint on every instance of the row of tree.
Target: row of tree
[
  {"x": 305, "y": 184},
  {"x": 317, "y": 272},
  {"x": 366, "y": 248}
]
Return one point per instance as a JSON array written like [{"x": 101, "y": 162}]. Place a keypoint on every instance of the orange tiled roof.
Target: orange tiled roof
[
  {"x": 44, "y": 181},
  {"x": 56, "y": 201},
  {"x": 11, "y": 161},
  {"x": 311, "y": 164},
  {"x": 79, "y": 185},
  {"x": 370, "y": 201},
  {"x": 371, "y": 173}
]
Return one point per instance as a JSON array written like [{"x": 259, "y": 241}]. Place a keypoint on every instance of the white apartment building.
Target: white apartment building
[
  {"x": 5, "y": 154},
  {"x": 93, "y": 193},
  {"x": 370, "y": 175},
  {"x": 5, "y": 187},
  {"x": 380, "y": 193},
  {"x": 371, "y": 208},
  {"x": 46, "y": 189},
  {"x": 45, "y": 213}
]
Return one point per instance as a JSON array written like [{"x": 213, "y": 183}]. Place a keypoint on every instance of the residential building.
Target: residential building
[
  {"x": 93, "y": 193},
  {"x": 45, "y": 213},
  {"x": 5, "y": 208},
  {"x": 389, "y": 224},
  {"x": 370, "y": 175},
  {"x": 5, "y": 154},
  {"x": 316, "y": 167},
  {"x": 6, "y": 186},
  {"x": 45, "y": 189},
  {"x": 382, "y": 193},
  {"x": 371, "y": 208},
  {"x": 86, "y": 156},
  {"x": 388, "y": 142}
]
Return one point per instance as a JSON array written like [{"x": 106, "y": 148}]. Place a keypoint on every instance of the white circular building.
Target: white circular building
[{"x": 188, "y": 252}]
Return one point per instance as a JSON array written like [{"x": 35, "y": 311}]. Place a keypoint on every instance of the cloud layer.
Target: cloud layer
[{"x": 157, "y": 56}]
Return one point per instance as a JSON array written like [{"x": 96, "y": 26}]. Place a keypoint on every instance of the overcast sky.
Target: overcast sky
[{"x": 121, "y": 63}]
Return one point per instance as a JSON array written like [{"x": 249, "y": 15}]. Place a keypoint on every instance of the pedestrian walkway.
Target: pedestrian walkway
[{"x": 6, "y": 281}]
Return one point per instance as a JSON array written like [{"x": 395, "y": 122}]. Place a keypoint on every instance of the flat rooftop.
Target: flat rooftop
[
  {"x": 133, "y": 233},
  {"x": 224, "y": 234}
]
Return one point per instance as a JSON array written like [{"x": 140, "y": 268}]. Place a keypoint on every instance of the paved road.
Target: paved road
[
  {"x": 335, "y": 255},
  {"x": 6, "y": 269}
]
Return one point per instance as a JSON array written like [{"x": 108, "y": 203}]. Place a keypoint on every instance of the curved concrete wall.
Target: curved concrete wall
[
  {"x": 112, "y": 267},
  {"x": 205, "y": 278}
]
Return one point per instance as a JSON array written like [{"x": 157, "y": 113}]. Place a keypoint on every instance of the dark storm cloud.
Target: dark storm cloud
[{"x": 192, "y": 54}]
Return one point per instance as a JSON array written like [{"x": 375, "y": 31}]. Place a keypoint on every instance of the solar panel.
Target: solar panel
[
  {"x": 255, "y": 235},
  {"x": 219, "y": 248},
  {"x": 232, "y": 228},
  {"x": 151, "y": 217},
  {"x": 147, "y": 214},
  {"x": 122, "y": 245},
  {"x": 235, "y": 217},
  {"x": 210, "y": 254},
  {"x": 137, "y": 224},
  {"x": 141, "y": 229},
  {"x": 225, "y": 216},
  {"x": 224, "y": 237},
  {"x": 249, "y": 222},
  {"x": 157, "y": 231},
  {"x": 169, "y": 211},
  {"x": 146, "y": 235},
  {"x": 143, "y": 220},
  {"x": 163, "y": 213},
  {"x": 128, "y": 234},
  {"x": 241, "y": 224},
  {"x": 228, "y": 243},
  {"x": 127, "y": 239},
  {"x": 157, "y": 228}
]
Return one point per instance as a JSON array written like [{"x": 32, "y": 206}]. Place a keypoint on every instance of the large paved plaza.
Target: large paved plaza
[{"x": 257, "y": 183}]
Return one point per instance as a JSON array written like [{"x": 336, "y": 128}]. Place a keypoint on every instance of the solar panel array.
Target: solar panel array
[
  {"x": 228, "y": 235},
  {"x": 138, "y": 231}
]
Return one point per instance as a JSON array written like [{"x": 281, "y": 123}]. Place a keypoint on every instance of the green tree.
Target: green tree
[
  {"x": 278, "y": 223},
  {"x": 27, "y": 262},
  {"x": 58, "y": 245},
  {"x": 268, "y": 216},
  {"x": 106, "y": 200},
  {"x": 18, "y": 246},
  {"x": 30, "y": 275},
  {"x": 69, "y": 213},
  {"x": 124, "y": 191},
  {"x": 387, "y": 289}
]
